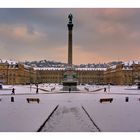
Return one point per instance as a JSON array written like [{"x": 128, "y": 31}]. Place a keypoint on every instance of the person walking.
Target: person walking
[
  {"x": 13, "y": 90},
  {"x": 69, "y": 90},
  {"x": 104, "y": 89},
  {"x": 36, "y": 88}
]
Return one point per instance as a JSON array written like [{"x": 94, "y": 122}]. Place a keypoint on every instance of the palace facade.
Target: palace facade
[
  {"x": 84, "y": 75},
  {"x": 17, "y": 73},
  {"x": 123, "y": 74},
  {"x": 13, "y": 73}
]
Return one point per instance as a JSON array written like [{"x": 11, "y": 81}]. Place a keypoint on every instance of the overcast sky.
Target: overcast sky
[{"x": 99, "y": 35}]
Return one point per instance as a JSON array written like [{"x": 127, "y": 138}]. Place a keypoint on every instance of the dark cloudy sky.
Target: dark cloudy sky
[{"x": 100, "y": 35}]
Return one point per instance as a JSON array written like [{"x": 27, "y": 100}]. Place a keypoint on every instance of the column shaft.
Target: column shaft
[{"x": 70, "y": 47}]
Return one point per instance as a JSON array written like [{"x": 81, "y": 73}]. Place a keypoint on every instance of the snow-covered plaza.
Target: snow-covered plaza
[{"x": 79, "y": 111}]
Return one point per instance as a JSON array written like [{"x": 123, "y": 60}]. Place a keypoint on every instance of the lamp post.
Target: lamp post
[
  {"x": 132, "y": 75},
  {"x": 7, "y": 73}
]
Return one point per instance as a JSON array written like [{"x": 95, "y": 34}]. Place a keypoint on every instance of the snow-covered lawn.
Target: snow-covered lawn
[
  {"x": 116, "y": 116},
  {"x": 20, "y": 116}
]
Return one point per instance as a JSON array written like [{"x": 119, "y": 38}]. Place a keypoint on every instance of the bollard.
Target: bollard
[
  {"x": 126, "y": 99},
  {"x": 12, "y": 99}
]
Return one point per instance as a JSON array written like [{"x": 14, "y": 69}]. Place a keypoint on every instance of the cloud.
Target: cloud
[
  {"x": 22, "y": 32},
  {"x": 19, "y": 33}
]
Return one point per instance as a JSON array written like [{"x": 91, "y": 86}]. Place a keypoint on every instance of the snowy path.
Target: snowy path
[{"x": 69, "y": 118}]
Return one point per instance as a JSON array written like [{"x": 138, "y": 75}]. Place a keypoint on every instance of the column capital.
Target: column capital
[{"x": 70, "y": 26}]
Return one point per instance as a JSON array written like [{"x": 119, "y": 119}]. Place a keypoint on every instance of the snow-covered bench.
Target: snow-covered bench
[
  {"x": 87, "y": 89},
  {"x": 33, "y": 100},
  {"x": 106, "y": 100},
  {"x": 52, "y": 88}
]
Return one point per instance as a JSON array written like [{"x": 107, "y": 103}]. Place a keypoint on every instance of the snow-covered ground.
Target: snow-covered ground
[
  {"x": 116, "y": 116},
  {"x": 21, "y": 116}
]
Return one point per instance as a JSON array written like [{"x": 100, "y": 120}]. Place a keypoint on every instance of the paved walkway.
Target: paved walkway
[{"x": 69, "y": 118}]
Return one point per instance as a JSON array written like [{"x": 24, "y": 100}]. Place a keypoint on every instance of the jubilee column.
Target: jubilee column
[
  {"x": 70, "y": 28},
  {"x": 70, "y": 77}
]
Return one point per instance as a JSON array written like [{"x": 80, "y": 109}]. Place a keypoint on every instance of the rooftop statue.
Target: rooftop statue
[{"x": 70, "y": 16}]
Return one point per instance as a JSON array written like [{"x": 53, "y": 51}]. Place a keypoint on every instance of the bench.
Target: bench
[
  {"x": 33, "y": 100},
  {"x": 52, "y": 88},
  {"x": 106, "y": 100},
  {"x": 86, "y": 89}
]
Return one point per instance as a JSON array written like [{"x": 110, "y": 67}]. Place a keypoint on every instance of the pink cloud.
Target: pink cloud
[{"x": 19, "y": 32}]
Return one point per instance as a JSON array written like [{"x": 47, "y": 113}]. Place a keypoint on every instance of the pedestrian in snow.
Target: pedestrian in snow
[
  {"x": 13, "y": 91},
  {"x": 104, "y": 89},
  {"x": 36, "y": 88},
  {"x": 69, "y": 90}
]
